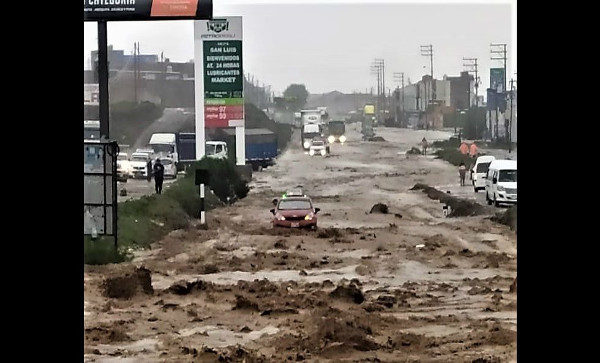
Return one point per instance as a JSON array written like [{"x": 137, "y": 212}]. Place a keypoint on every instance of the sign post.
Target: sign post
[
  {"x": 202, "y": 177},
  {"x": 219, "y": 83}
]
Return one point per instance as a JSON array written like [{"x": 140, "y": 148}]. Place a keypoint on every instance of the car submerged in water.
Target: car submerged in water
[{"x": 294, "y": 212}]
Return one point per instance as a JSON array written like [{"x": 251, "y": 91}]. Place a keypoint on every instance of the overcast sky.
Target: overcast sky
[{"x": 328, "y": 45}]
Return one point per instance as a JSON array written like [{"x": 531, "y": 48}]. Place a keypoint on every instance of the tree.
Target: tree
[{"x": 296, "y": 96}]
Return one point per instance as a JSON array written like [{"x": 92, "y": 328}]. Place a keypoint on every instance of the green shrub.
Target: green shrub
[
  {"x": 102, "y": 251},
  {"x": 454, "y": 156},
  {"x": 225, "y": 180}
]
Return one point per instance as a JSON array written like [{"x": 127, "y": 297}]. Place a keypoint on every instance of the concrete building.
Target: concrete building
[{"x": 451, "y": 94}]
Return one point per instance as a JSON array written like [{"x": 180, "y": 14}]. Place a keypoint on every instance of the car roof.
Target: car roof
[
  {"x": 503, "y": 164},
  {"x": 485, "y": 159},
  {"x": 296, "y": 198}
]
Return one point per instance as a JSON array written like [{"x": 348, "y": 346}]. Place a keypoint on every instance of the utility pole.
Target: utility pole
[
  {"x": 136, "y": 70},
  {"x": 427, "y": 51},
  {"x": 512, "y": 90},
  {"x": 471, "y": 67},
  {"x": 399, "y": 78},
  {"x": 498, "y": 52},
  {"x": 378, "y": 68}
]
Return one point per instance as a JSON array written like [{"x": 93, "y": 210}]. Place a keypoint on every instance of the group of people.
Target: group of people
[
  {"x": 468, "y": 149},
  {"x": 158, "y": 171},
  {"x": 464, "y": 149}
]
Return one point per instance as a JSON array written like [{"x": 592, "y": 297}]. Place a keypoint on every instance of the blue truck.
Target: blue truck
[{"x": 261, "y": 145}]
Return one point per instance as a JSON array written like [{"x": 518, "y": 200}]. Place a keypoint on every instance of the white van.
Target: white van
[
  {"x": 480, "y": 170},
  {"x": 501, "y": 182}
]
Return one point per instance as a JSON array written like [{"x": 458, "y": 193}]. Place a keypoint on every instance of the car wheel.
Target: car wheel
[{"x": 475, "y": 189}]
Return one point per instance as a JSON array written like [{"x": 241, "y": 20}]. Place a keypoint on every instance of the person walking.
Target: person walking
[
  {"x": 159, "y": 173},
  {"x": 424, "y": 145},
  {"x": 149, "y": 170},
  {"x": 473, "y": 150},
  {"x": 464, "y": 148},
  {"x": 462, "y": 171}
]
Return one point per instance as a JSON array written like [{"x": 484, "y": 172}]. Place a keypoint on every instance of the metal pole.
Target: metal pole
[
  {"x": 103, "y": 79},
  {"x": 511, "y": 118},
  {"x": 202, "y": 216}
]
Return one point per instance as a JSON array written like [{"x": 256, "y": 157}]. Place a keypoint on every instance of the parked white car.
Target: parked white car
[
  {"x": 139, "y": 161},
  {"x": 501, "y": 182},
  {"x": 479, "y": 171},
  {"x": 170, "y": 168},
  {"x": 123, "y": 166}
]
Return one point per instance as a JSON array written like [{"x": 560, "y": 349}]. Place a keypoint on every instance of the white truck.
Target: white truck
[
  {"x": 312, "y": 126},
  {"x": 164, "y": 145}
]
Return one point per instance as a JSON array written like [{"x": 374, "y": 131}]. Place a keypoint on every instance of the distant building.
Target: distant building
[{"x": 423, "y": 109}]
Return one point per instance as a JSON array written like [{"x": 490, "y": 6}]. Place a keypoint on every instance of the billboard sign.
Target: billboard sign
[
  {"x": 95, "y": 10},
  {"x": 223, "y": 76},
  {"x": 369, "y": 110},
  {"x": 497, "y": 79}
]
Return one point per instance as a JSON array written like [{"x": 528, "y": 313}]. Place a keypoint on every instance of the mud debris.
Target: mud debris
[
  {"x": 379, "y": 208},
  {"x": 348, "y": 292},
  {"x": 106, "y": 335},
  {"x": 125, "y": 287},
  {"x": 329, "y": 233},
  {"x": 508, "y": 218}
]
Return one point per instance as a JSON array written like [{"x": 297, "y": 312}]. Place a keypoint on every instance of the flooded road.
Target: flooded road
[{"x": 364, "y": 286}]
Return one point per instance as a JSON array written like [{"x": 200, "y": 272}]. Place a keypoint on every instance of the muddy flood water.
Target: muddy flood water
[{"x": 408, "y": 285}]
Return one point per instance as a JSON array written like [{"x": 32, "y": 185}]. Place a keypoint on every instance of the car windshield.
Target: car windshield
[
  {"x": 209, "y": 149},
  {"x": 317, "y": 143},
  {"x": 163, "y": 148},
  {"x": 294, "y": 204},
  {"x": 483, "y": 167},
  {"x": 508, "y": 176},
  {"x": 139, "y": 158}
]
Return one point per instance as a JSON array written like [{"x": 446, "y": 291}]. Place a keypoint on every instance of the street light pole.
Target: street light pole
[{"x": 103, "y": 80}]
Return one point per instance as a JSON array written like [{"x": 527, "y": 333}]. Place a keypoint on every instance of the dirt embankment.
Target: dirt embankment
[{"x": 459, "y": 207}]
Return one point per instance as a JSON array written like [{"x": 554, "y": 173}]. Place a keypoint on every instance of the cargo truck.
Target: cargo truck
[{"x": 261, "y": 147}]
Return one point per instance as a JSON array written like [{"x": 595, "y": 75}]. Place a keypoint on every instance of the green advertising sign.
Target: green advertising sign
[
  {"x": 497, "y": 79},
  {"x": 223, "y": 77}
]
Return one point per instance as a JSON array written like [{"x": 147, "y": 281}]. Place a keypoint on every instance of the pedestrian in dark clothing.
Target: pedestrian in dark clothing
[
  {"x": 424, "y": 145},
  {"x": 159, "y": 173},
  {"x": 462, "y": 170},
  {"x": 149, "y": 170}
]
